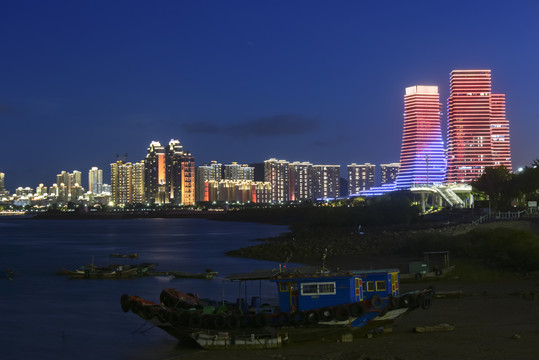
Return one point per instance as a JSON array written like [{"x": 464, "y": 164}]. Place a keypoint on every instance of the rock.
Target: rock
[{"x": 440, "y": 327}]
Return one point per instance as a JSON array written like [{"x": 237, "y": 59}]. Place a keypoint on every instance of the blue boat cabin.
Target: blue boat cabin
[{"x": 308, "y": 292}]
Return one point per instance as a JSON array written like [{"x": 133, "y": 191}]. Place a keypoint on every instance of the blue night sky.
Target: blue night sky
[{"x": 318, "y": 81}]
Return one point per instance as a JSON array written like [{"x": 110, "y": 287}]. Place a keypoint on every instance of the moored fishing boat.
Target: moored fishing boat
[
  {"x": 109, "y": 272},
  {"x": 310, "y": 305}
]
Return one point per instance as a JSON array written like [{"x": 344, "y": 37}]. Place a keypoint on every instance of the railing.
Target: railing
[{"x": 500, "y": 215}]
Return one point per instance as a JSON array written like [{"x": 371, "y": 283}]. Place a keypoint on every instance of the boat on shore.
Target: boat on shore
[
  {"x": 110, "y": 271},
  {"x": 188, "y": 275},
  {"x": 310, "y": 305}
]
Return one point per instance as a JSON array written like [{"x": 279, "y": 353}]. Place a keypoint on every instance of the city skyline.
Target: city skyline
[{"x": 305, "y": 81}]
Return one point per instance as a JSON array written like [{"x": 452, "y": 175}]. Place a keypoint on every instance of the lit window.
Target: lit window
[{"x": 318, "y": 288}]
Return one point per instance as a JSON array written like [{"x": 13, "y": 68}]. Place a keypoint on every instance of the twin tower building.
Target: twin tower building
[{"x": 477, "y": 132}]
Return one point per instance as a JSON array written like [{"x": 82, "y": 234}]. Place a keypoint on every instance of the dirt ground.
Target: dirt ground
[{"x": 495, "y": 320}]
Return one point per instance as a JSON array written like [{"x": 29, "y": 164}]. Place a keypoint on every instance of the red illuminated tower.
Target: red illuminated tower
[
  {"x": 477, "y": 130},
  {"x": 422, "y": 158}
]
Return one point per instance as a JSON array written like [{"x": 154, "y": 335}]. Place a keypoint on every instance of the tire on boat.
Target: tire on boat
[
  {"x": 418, "y": 276},
  {"x": 136, "y": 306},
  {"x": 195, "y": 320},
  {"x": 163, "y": 315},
  {"x": 283, "y": 319},
  {"x": 148, "y": 312},
  {"x": 408, "y": 301},
  {"x": 261, "y": 320},
  {"x": 356, "y": 309},
  {"x": 393, "y": 303},
  {"x": 341, "y": 313},
  {"x": 125, "y": 301},
  {"x": 325, "y": 314},
  {"x": 376, "y": 302},
  {"x": 424, "y": 301},
  {"x": 175, "y": 318},
  {"x": 298, "y": 318},
  {"x": 312, "y": 317}
]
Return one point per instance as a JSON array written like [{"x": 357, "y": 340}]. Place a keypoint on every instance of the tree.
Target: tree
[{"x": 496, "y": 183}]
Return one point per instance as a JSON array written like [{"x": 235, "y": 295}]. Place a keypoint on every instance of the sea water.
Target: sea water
[{"x": 47, "y": 316}]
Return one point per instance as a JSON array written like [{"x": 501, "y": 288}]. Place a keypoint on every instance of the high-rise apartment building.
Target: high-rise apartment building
[
  {"x": 360, "y": 177},
  {"x": 155, "y": 174},
  {"x": 2, "y": 183},
  {"x": 422, "y": 159},
  {"x": 477, "y": 129},
  {"x": 237, "y": 172},
  {"x": 64, "y": 178},
  {"x": 95, "y": 180},
  {"x": 300, "y": 176},
  {"x": 326, "y": 181},
  {"x": 204, "y": 174},
  {"x": 388, "y": 172},
  {"x": 137, "y": 172},
  {"x": 187, "y": 168},
  {"x": 169, "y": 174},
  {"x": 76, "y": 178},
  {"x": 41, "y": 190},
  {"x": 69, "y": 179},
  {"x": 276, "y": 173},
  {"x": 121, "y": 182},
  {"x": 173, "y": 160},
  {"x": 501, "y": 150}
]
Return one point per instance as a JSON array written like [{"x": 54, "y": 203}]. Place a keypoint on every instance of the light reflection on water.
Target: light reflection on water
[{"x": 46, "y": 316}]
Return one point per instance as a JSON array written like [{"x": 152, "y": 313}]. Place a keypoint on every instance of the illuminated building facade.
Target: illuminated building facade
[
  {"x": 244, "y": 191},
  {"x": 477, "y": 129},
  {"x": 422, "y": 159},
  {"x": 326, "y": 181},
  {"x": 300, "y": 181},
  {"x": 138, "y": 171},
  {"x": 276, "y": 173},
  {"x": 204, "y": 174},
  {"x": 499, "y": 126},
  {"x": 173, "y": 160},
  {"x": 155, "y": 174},
  {"x": 95, "y": 180},
  {"x": 187, "y": 169},
  {"x": 121, "y": 182},
  {"x": 42, "y": 190},
  {"x": 388, "y": 172},
  {"x": 238, "y": 172},
  {"x": 360, "y": 177},
  {"x": 3, "y": 191}
]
